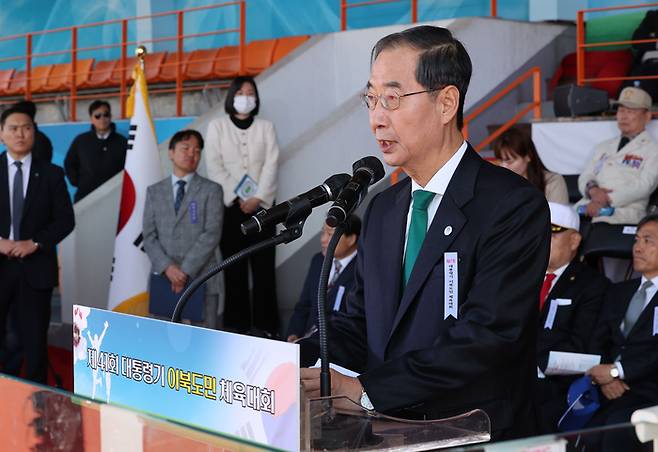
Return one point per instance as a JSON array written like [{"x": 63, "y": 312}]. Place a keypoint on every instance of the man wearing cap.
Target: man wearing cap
[
  {"x": 626, "y": 337},
  {"x": 569, "y": 305},
  {"x": 624, "y": 170}
]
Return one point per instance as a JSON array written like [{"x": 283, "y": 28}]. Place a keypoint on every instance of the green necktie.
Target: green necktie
[{"x": 417, "y": 230}]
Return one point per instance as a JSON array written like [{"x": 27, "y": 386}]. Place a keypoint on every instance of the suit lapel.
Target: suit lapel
[
  {"x": 393, "y": 234},
  {"x": 646, "y": 316},
  {"x": 32, "y": 185},
  {"x": 622, "y": 307},
  {"x": 459, "y": 192},
  {"x": 5, "y": 213}
]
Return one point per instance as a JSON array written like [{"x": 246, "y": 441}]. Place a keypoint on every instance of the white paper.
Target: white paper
[
  {"x": 655, "y": 320},
  {"x": 631, "y": 230},
  {"x": 339, "y": 298},
  {"x": 337, "y": 368},
  {"x": 552, "y": 311},
  {"x": 567, "y": 363},
  {"x": 450, "y": 288}
]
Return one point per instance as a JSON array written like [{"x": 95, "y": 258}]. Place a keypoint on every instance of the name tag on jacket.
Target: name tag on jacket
[{"x": 451, "y": 283}]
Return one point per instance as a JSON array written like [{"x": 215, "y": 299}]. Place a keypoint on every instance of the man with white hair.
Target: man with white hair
[
  {"x": 617, "y": 182},
  {"x": 569, "y": 305}
]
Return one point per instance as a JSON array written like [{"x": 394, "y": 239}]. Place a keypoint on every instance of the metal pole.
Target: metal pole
[
  {"x": 580, "y": 50},
  {"x": 28, "y": 66},
  {"x": 343, "y": 15},
  {"x": 179, "y": 67},
  {"x": 74, "y": 74},
  {"x": 122, "y": 64},
  {"x": 243, "y": 37}
]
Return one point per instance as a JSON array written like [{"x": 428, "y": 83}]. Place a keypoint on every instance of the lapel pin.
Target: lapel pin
[
  {"x": 447, "y": 231},
  {"x": 573, "y": 278}
]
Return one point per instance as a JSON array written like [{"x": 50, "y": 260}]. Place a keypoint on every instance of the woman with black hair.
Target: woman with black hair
[{"x": 242, "y": 156}]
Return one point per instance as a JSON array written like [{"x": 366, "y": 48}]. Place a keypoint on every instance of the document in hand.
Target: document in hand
[{"x": 567, "y": 363}]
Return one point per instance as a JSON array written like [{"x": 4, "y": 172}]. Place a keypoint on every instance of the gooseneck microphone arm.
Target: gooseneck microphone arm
[
  {"x": 325, "y": 375},
  {"x": 297, "y": 215}
]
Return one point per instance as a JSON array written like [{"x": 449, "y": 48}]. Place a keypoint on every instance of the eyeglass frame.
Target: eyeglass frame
[{"x": 364, "y": 96}]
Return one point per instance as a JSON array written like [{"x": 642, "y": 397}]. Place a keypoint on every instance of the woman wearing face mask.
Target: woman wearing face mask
[
  {"x": 240, "y": 144},
  {"x": 517, "y": 152}
]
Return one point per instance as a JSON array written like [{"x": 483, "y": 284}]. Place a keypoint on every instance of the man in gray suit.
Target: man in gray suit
[{"x": 183, "y": 223}]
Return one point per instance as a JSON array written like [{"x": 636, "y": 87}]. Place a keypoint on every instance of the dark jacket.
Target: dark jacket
[
  {"x": 306, "y": 309},
  {"x": 416, "y": 362},
  {"x": 91, "y": 161},
  {"x": 638, "y": 353},
  {"x": 43, "y": 147},
  {"x": 47, "y": 218}
]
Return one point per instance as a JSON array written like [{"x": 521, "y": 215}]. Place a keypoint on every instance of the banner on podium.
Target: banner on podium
[{"x": 232, "y": 384}]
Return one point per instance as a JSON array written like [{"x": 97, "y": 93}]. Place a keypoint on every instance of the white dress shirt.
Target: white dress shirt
[
  {"x": 437, "y": 185},
  {"x": 651, "y": 291},
  {"x": 27, "y": 163},
  {"x": 344, "y": 262},
  {"x": 558, "y": 272},
  {"x": 174, "y": 182}
]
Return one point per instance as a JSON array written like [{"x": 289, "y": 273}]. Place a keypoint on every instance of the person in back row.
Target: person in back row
[
  {"x": 305, "y": 318},
  {"x": 617, "y": 182},
  {"x": 517, "y": 152},
  {"x": 95, "y": 156}
]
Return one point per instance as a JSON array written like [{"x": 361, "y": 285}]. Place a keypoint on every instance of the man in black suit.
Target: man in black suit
[
  {"x": 626, "y": 337},
  {"x": 442, "y": 317},
  {"x": 305, "y": 317},
  {"x": 35, "y": 215},
  {"x": 569, "y": 305}
]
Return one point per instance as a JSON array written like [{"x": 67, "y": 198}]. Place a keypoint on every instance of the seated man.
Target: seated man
[
  {"x": 617, "y": 182},
  {"x": 627, "y": 340},
  {"x": 305, "y": 318},
  {"x": 569, "y": 305},
  {"x": 183, "y": 222}
]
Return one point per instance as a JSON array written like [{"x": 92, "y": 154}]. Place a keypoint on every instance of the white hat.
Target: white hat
[
  {"x": 563, "y": 215},
  {"x": 633, "y": 97}
]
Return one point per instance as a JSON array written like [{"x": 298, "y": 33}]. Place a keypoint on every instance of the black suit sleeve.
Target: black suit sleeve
[
  {"x": 497, "y": 321},
  {"x": 61, "y": 213},
  {"x": 302, "y": 312},
  {"x": 601, "y": 340},
  {"x": 72, "y": 163}
]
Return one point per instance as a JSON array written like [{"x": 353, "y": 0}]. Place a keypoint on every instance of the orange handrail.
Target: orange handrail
[
  {"x": 581, "y": 45},
  {"x": 535, "y": 107},
  {"x": 345, "y": 5},
  {"x": 74, "y": 51}
]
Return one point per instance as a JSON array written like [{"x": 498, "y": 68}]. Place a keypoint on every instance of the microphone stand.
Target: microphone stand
[
  {"x": 294, "y": 226},
  {"x": 325, "y": 375}
]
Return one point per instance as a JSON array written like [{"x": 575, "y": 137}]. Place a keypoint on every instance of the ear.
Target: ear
[
  {"x": 575, "y": 240},
  {"x": 350, "y": 239},
  {"x": 448, "y": 103}
]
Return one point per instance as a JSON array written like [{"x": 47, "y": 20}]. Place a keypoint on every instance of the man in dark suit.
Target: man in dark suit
[
  {"x": 35, "y": 215},
  {"x": 442, "y": 318},
  {"x": 305, "y": 317},
  {"x": 569, "y": 305},
  {"x": 626, "y": 337}
]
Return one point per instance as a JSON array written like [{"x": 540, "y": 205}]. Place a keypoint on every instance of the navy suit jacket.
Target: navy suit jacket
[
  {"x": 306, "y": 309},
  {"x": 47, "y": 218},
  {"x": 573, "y": 324},
  {"x": 414, "y": 362},
  {"x": 638, "y": 353}
]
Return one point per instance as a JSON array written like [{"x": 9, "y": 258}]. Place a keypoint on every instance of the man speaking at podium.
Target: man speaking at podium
[{"x": 442, "y": 317}]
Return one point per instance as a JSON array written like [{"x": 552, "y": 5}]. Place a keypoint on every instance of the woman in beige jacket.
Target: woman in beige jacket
[{"x": 243, "y": 148}]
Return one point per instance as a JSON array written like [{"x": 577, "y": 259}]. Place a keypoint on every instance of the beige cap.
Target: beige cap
[
  {"x": 563, "y": 215},
  {"x": 632, "y": 97}
]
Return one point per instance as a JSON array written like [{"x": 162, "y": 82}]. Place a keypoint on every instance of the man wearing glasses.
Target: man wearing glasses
[
  {"x": 443, "y": 313},
  {"x": 97, "y": 155}
]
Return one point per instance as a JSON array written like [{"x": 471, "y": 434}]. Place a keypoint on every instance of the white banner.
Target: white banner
[{"x": 131, "y": 265}]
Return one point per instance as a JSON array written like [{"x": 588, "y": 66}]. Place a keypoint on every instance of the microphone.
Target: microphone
[
  {"x": 279, "y": 213},
  {"x": 367, "y": 171}
]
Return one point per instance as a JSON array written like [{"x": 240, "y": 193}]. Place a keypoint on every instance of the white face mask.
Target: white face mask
[{"x": 244, "y": 104}]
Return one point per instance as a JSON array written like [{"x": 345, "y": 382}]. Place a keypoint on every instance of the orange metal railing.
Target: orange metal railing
[
  {"x": 74, "y": 52},
  {"x": 413, "y": 6},
  {"x": 581, "y": 45},
  {"x": 535, "y": 106}
]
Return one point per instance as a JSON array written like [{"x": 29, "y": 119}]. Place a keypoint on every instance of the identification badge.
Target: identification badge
[
  {"x": 552, "y": 311},
  {"x": 339, "y": 297},
  {"x": 655, "y": 320},
  {"x": 194, "y": 212},
  {"x": 450, "y": 289}
]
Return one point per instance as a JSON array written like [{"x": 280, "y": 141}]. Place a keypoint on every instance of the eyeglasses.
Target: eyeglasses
[
  {"x": 102, "y": 115},
  {"x": 555, "y": 229},
  {"x": 391, "y": 100}
]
